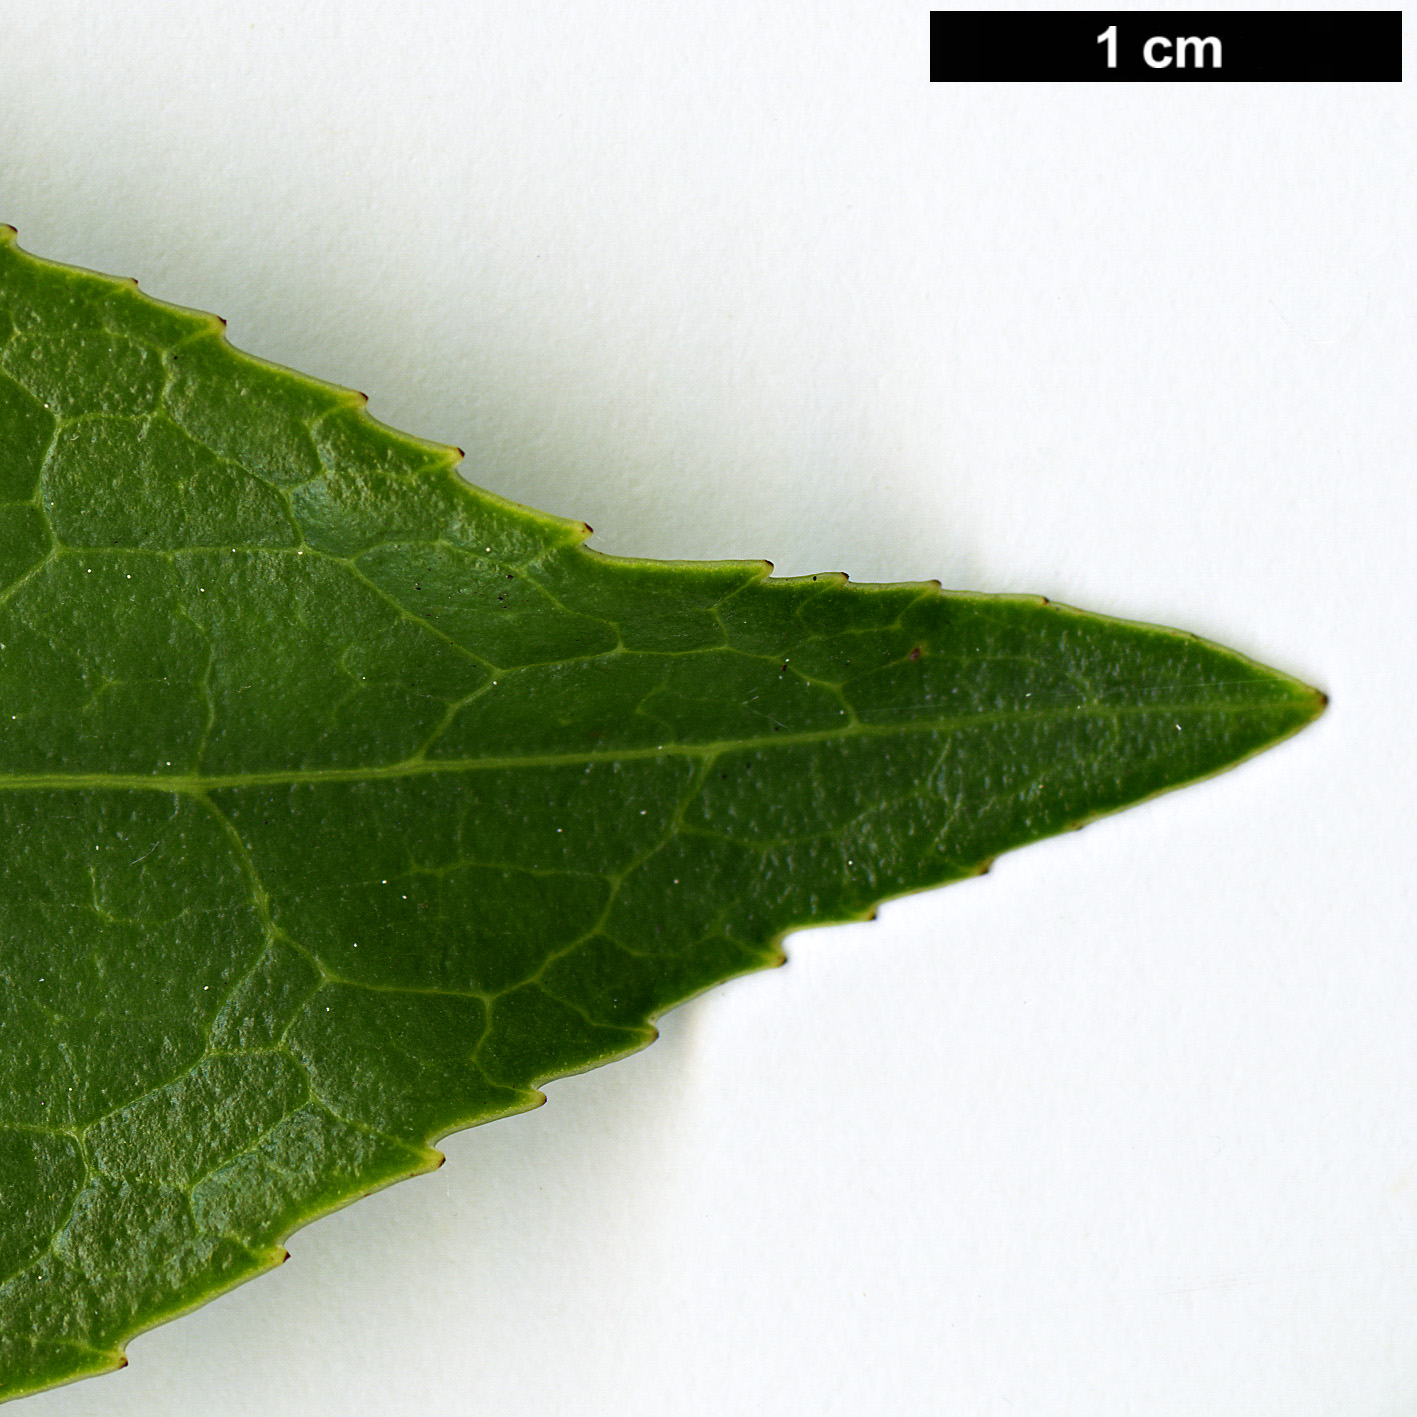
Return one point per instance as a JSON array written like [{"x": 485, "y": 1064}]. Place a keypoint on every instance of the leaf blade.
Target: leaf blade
[{"x": 348, "y": 804}]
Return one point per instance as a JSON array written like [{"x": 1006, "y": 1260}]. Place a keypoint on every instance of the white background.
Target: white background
[{"x": 1129, "y": 1126}]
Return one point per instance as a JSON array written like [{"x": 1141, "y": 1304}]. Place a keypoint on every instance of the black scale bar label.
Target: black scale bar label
[{"x": 1166, "y": 46}]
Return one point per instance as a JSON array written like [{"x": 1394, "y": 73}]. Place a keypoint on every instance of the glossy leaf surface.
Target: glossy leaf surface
[{"x": 343, "y": 804}]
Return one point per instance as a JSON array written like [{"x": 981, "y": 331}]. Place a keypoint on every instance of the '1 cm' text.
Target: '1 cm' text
[{"x": 1156, "y": 50}]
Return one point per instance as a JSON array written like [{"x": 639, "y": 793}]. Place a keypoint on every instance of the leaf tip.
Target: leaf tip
[{"x": 1305, "y": 705}]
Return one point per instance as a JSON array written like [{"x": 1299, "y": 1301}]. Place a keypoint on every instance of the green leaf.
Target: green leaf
[{"x": 345, "y": 804}]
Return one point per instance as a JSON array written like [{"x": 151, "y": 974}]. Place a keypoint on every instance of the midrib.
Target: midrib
[{"x": 194, "y": 784}]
